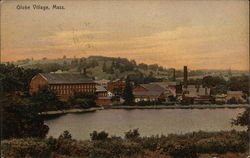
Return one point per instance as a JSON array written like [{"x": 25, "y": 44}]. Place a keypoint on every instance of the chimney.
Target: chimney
[
  {"x": 185, "y": 77},
  {"x": 174, "y": 79},
  {"x": 84, "y": 71}
]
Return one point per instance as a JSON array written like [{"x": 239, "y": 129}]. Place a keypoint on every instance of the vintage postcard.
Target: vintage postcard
[{"x": 121, "y": 79}]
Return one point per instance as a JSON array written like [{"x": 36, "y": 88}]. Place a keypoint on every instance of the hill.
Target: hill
[
  {"x": 100, "y": 67},
  {"x": 97, "y": 66}
]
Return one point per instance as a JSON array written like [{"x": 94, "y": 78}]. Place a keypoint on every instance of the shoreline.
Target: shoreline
[
  {"x": 127, "y": 107},
  {"x": 76, "y": 110},
  {"x": 213, "y": 106}
]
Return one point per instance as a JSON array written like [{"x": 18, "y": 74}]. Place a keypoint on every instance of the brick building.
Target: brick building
[
  {"x": 102, "y": 96},
  {"x": 116, "y": 86},
  {"x": 148, "y": 96},
  {"x": 238, "y": 95},
  {"x": 149, "y": 92},
  {"x": 63, "y": 84},
  {"x": 102, "y": 82}
]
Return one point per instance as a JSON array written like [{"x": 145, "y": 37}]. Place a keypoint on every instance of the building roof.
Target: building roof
[
  {"x": 147, "y": 93},
  {"x": 104, "y": 98},
  {"x": 65, "y": 78},
  {"x": 100, "y": 89},
  {"x": 102, "y": 81},
  {"x": 234, "y": 92},
  {"x": 152, "y": 87},
  {"x": 118, "y": 80},
  {"x": 168, "y": 83}
]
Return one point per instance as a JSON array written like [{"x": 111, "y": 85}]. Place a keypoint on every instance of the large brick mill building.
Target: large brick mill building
[{"x": 63, "y": 84}]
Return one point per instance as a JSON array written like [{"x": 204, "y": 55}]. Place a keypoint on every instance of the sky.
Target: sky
[{"x": 206, "y": 34}]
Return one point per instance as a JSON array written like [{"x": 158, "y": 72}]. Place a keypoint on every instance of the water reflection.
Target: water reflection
[{"x": 149, "y": 121}]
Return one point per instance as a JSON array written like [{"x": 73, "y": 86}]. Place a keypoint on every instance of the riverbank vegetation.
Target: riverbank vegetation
[{"x": 101, "y": 145}]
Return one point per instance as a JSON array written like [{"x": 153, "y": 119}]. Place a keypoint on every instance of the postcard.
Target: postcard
[{"x": 113, "y": 78}]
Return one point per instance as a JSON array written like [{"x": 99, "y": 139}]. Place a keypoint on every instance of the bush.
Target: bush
[
  {"x": 132, "y": 134},
  {"x": 82, "y": 100},
  {"x": 99, "y": 136},
  {"x": 17, "y": 148},
  {"x": 189, "y": 145},
  {"x": 183, "y": 149},
  {"x": 65, "y": 135}
]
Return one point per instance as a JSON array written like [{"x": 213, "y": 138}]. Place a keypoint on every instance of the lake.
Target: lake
[{"x": 149, "y": 121}]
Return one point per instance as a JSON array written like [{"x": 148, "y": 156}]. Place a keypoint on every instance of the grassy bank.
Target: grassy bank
[
  {"x": 197, "y": 144},
  {"x": 75, "y": 110}
]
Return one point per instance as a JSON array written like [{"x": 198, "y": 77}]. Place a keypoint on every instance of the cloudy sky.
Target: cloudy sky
[{"x": 200, "y": 34}]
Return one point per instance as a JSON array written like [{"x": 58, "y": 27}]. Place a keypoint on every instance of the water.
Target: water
[{"x": 149, "y": 121}]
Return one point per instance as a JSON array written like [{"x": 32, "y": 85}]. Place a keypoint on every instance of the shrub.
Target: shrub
[
  {"x": 99, "y": 136},
  {"x": 182, "y": 149},
  {"x": 65, "y": 135},
  {"x": 132, "y": 134},
  {"x": 17, "y": 148}
]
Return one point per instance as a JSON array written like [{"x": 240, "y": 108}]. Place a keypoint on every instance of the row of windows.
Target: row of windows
[
  {"x": 72, "y": 86},
  {"x": 70, "y": 91}
]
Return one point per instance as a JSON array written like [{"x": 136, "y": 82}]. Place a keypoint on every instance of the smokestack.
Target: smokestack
[
  {"x": 185, "y": 77},
  {"x": 84, "y": 71},
  {"x": 174, "y": 75}
]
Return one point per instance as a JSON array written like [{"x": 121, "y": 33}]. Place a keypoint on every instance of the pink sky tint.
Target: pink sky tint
[{"x": 201, "y": 34}]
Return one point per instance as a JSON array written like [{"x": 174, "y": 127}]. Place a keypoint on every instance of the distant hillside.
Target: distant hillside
[{"x": 108, "y": 68}]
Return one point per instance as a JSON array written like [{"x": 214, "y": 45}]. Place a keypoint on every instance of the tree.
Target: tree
[
  {"x": 128, "y": 94},
  {"x": 218, "y": 84},
  {"x": 104, "y": 67},
  {"x": 99, "y": 136},
  {"x": 47, "y": 99},
  {"x": 110, "y": 70},
  {"x": 20, "y": 119},
  {"x": 239, "y": 83},
  {"x": 242, "y": 119},
  {"x": 143, "y": 66},
  {"x": 82, "y": 99},
  {"x": 14, "y": 78},
  {"x": 132, "y": 134},
  {"x": 65, "y": 135}
]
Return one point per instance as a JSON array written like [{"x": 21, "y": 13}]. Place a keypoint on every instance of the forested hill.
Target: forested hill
[{"x": 103, "y": 67}]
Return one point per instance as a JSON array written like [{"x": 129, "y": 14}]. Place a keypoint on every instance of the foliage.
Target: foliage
[
  {"x": 51, "y": 67},
  {"x": 219, "y": 85},
  {"x": 20, "y": 119},
  {"x": 28, "y": 147},
  {"x": 65, "y": 135},
  {"x": 243, "y": 119},
  {"x": 128, "y": 94},
  {"x": 13, "y": 78},
  {"x": 240, "y": 83},
  {"x": 212, "y": 81},
  {"x": 189, "y": 145},
  {"x": 99, "y": 136},
  {"x": 132, "y": 134},
  {"x": 47, "y": 99},
  {"x": 82, "y": 99},
  {"x": 104, "y": 67}
]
